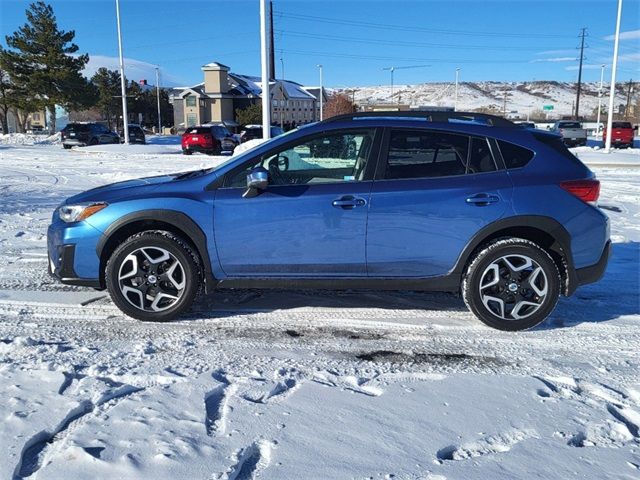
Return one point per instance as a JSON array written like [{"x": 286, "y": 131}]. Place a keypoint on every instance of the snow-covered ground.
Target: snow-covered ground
[{"x": 304, "y": 384}]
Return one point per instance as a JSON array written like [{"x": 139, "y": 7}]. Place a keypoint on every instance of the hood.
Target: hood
[{"x": 118, "y": 190}]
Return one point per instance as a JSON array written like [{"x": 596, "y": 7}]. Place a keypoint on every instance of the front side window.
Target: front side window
[
  {"x": 339, "y": 157},
  {"x": 424, "y": 154}
]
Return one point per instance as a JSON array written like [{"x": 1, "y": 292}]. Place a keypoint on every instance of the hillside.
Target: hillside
[{"x": 521, "y": 96}]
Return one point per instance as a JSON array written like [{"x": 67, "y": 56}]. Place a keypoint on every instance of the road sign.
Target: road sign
[{"x": 547, "y": 107}]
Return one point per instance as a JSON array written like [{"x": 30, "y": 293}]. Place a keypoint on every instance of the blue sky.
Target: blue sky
[{"x": 513, "y": 40}]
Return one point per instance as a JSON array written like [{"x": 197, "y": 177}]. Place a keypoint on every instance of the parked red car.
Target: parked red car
[
  {"x": 209, "y": 139},
  {"x": 622, "y": 136}
]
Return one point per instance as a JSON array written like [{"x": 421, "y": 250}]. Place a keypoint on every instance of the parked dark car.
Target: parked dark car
[
  {"x": 82, "y": 134},
  {"x": 526, "y": 124},
  {"x": 251, "y": 132},
  {"x": 136, "y": 135},
  {"x": 209, "y": 139}
]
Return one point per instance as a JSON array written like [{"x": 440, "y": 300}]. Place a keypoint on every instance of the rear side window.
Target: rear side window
[
  {"x": 422, "y": 154},
  {"x": 220, "y": 132},
  {"x": 515, "y": 156}
]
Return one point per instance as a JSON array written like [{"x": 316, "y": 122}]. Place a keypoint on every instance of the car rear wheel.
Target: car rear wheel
[
  {"x": 93, "y": 141},
  {"x": 186, "y": 151},
  {"x": 153, "y": 276},
  {"x": 511, "y": 284}
]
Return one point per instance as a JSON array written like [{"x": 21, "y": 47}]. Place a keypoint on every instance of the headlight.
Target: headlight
[{"x": 77, "y": 213}]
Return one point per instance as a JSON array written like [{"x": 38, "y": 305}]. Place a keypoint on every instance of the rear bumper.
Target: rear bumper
[
  {"x": 594, "y": 272},
  {"x": 198, "y": 148},
  {"x": 73, "y": 142}
]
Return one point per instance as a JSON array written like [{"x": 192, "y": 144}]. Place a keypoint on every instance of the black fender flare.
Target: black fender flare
[
  {"x": 177, "y": 219},
  {"x": 560, "y": 246}
]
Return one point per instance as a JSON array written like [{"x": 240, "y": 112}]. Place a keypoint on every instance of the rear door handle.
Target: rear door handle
[
  {"x": 482, "y": 199},
  {"x": 349, "y": 202}
]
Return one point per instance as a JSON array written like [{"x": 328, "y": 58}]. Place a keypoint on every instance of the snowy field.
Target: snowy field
[{"x": 304, "y": 384}]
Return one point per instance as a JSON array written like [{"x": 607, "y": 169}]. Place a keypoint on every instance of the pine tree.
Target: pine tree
[
  {"x": 107, "y": 84},
  {"x": 250, "y": 114},
  {"x": 40, "y": 59}
]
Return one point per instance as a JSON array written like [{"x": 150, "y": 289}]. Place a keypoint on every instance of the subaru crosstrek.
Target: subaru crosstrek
[{"x": 443, "y": 201}]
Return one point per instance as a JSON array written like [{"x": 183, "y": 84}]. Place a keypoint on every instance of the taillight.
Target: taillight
[{"x": 585, "y": 190}]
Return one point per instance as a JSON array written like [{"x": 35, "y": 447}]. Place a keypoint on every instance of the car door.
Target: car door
[
  {"x": 433, "y": 191},
  {"x": 310, "y": 220}
]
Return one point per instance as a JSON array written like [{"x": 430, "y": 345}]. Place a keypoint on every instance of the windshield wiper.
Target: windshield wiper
[{"x": 193, "y": 173}]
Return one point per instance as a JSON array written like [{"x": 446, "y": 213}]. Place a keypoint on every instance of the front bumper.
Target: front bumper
[
  {"x": 594, "y": 272},
  {"x": 71, "y": 254}
]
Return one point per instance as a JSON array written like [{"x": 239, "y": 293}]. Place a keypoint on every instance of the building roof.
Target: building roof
[{"x": 247, "y": 86}]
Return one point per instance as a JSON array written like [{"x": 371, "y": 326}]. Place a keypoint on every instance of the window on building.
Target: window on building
[
  {"x": 36, "y": 117},
  {"x": 190, "y": 101},
  {"x": 192, "y": 120}
]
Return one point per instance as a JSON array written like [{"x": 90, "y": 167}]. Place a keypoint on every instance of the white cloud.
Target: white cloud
[
  {"x": 554, "y": 59},
  {"x": 565, "y": 51},
  {"x": 586, "y": 66},
  {"x": 630, "y": 35},
  {"x": 134, "y": 69}
]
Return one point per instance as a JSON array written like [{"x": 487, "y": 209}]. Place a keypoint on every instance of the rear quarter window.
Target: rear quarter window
[{"x": 515, "y": 156}]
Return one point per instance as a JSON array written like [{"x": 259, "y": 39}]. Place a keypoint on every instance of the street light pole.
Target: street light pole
[
  {"x": 612, "y": 88},
  {"x": 321, "y": 94},
  {"x": 455, "y": 102},
  {"x": 123, "y": 82},
  {"x": 598, "y": 132},
  {"x": 158, "y": 97},
  {"x": 264, "y": 59}
]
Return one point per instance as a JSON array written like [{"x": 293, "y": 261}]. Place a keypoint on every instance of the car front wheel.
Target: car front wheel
[
  {"x": 511, "y": 284},
  {"x": 153, "y": 276}
]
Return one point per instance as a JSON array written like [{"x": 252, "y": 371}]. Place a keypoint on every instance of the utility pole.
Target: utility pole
[
  {"x": 455, "y": 102},
  {"x": 612, "y": 87},
  {"x": 321, "y": 94},
  {"x": 158, "y": 97},
  {"x": 272, "y": 59},
  {"x": 264, "y": 60},
  {"x": 598, "y": 132},
  {"x": 629, "y": 90},
  {"x": 123, "y": 82},
  {"x": 504, "y": 105},
  {"x": 582, "y": 35}
]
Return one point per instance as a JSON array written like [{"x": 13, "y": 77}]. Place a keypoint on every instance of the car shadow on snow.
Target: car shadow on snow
[
  {"x": 230, "y": 302},
  {"x": 616, "y": 294}
]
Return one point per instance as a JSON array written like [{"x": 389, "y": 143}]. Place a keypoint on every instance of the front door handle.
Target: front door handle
[
  {"x": 482, "y": 199},
  {"x": 349, "y": 202}
]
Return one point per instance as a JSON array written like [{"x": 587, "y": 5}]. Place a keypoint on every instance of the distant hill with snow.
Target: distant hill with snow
[{"x": 521, "y": 96}]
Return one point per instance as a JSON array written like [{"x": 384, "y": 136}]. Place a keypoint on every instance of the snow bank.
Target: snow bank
[
  {"x": 248, "y": 145},
  {"x": 29, "y": 139}
]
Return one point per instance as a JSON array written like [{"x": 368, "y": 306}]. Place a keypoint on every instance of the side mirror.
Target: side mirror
[
  {"x": 635, "y": 127},
  {"x": 257, "y": 181}
]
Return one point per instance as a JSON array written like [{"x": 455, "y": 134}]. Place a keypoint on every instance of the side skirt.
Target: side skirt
[{"x": 447, "y": 283}]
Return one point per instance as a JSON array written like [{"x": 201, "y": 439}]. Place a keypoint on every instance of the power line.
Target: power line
[
  {"x": 401, "y": 42},
  {"x": 407, "y": 28}
]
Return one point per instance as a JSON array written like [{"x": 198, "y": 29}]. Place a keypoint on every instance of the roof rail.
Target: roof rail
[{"x": 433, "y": 116}]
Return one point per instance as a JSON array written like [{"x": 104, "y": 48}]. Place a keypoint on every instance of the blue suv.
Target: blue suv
[{"x": 440, "y": 201}]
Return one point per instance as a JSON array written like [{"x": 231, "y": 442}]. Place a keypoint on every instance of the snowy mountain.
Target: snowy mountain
[{"x": 521, "y": 96}]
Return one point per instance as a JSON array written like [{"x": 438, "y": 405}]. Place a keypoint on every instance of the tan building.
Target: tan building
[
  {"x": 36, "y": 121},
  {"x": 223, "y": 92}
]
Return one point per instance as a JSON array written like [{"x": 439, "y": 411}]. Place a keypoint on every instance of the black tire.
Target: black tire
[
  {"x": 153, "y": 241},
  {"x": 489, "y": 266},
  {"x": 93, "y": 141},
  {"x": 186, "y": 151},
  {"x": 66, "y": 147}
]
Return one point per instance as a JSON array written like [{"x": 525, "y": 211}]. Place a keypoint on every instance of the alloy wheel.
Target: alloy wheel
[
  {"x": 151, "y": 279},
  {"x": 513, "y": 287}
]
